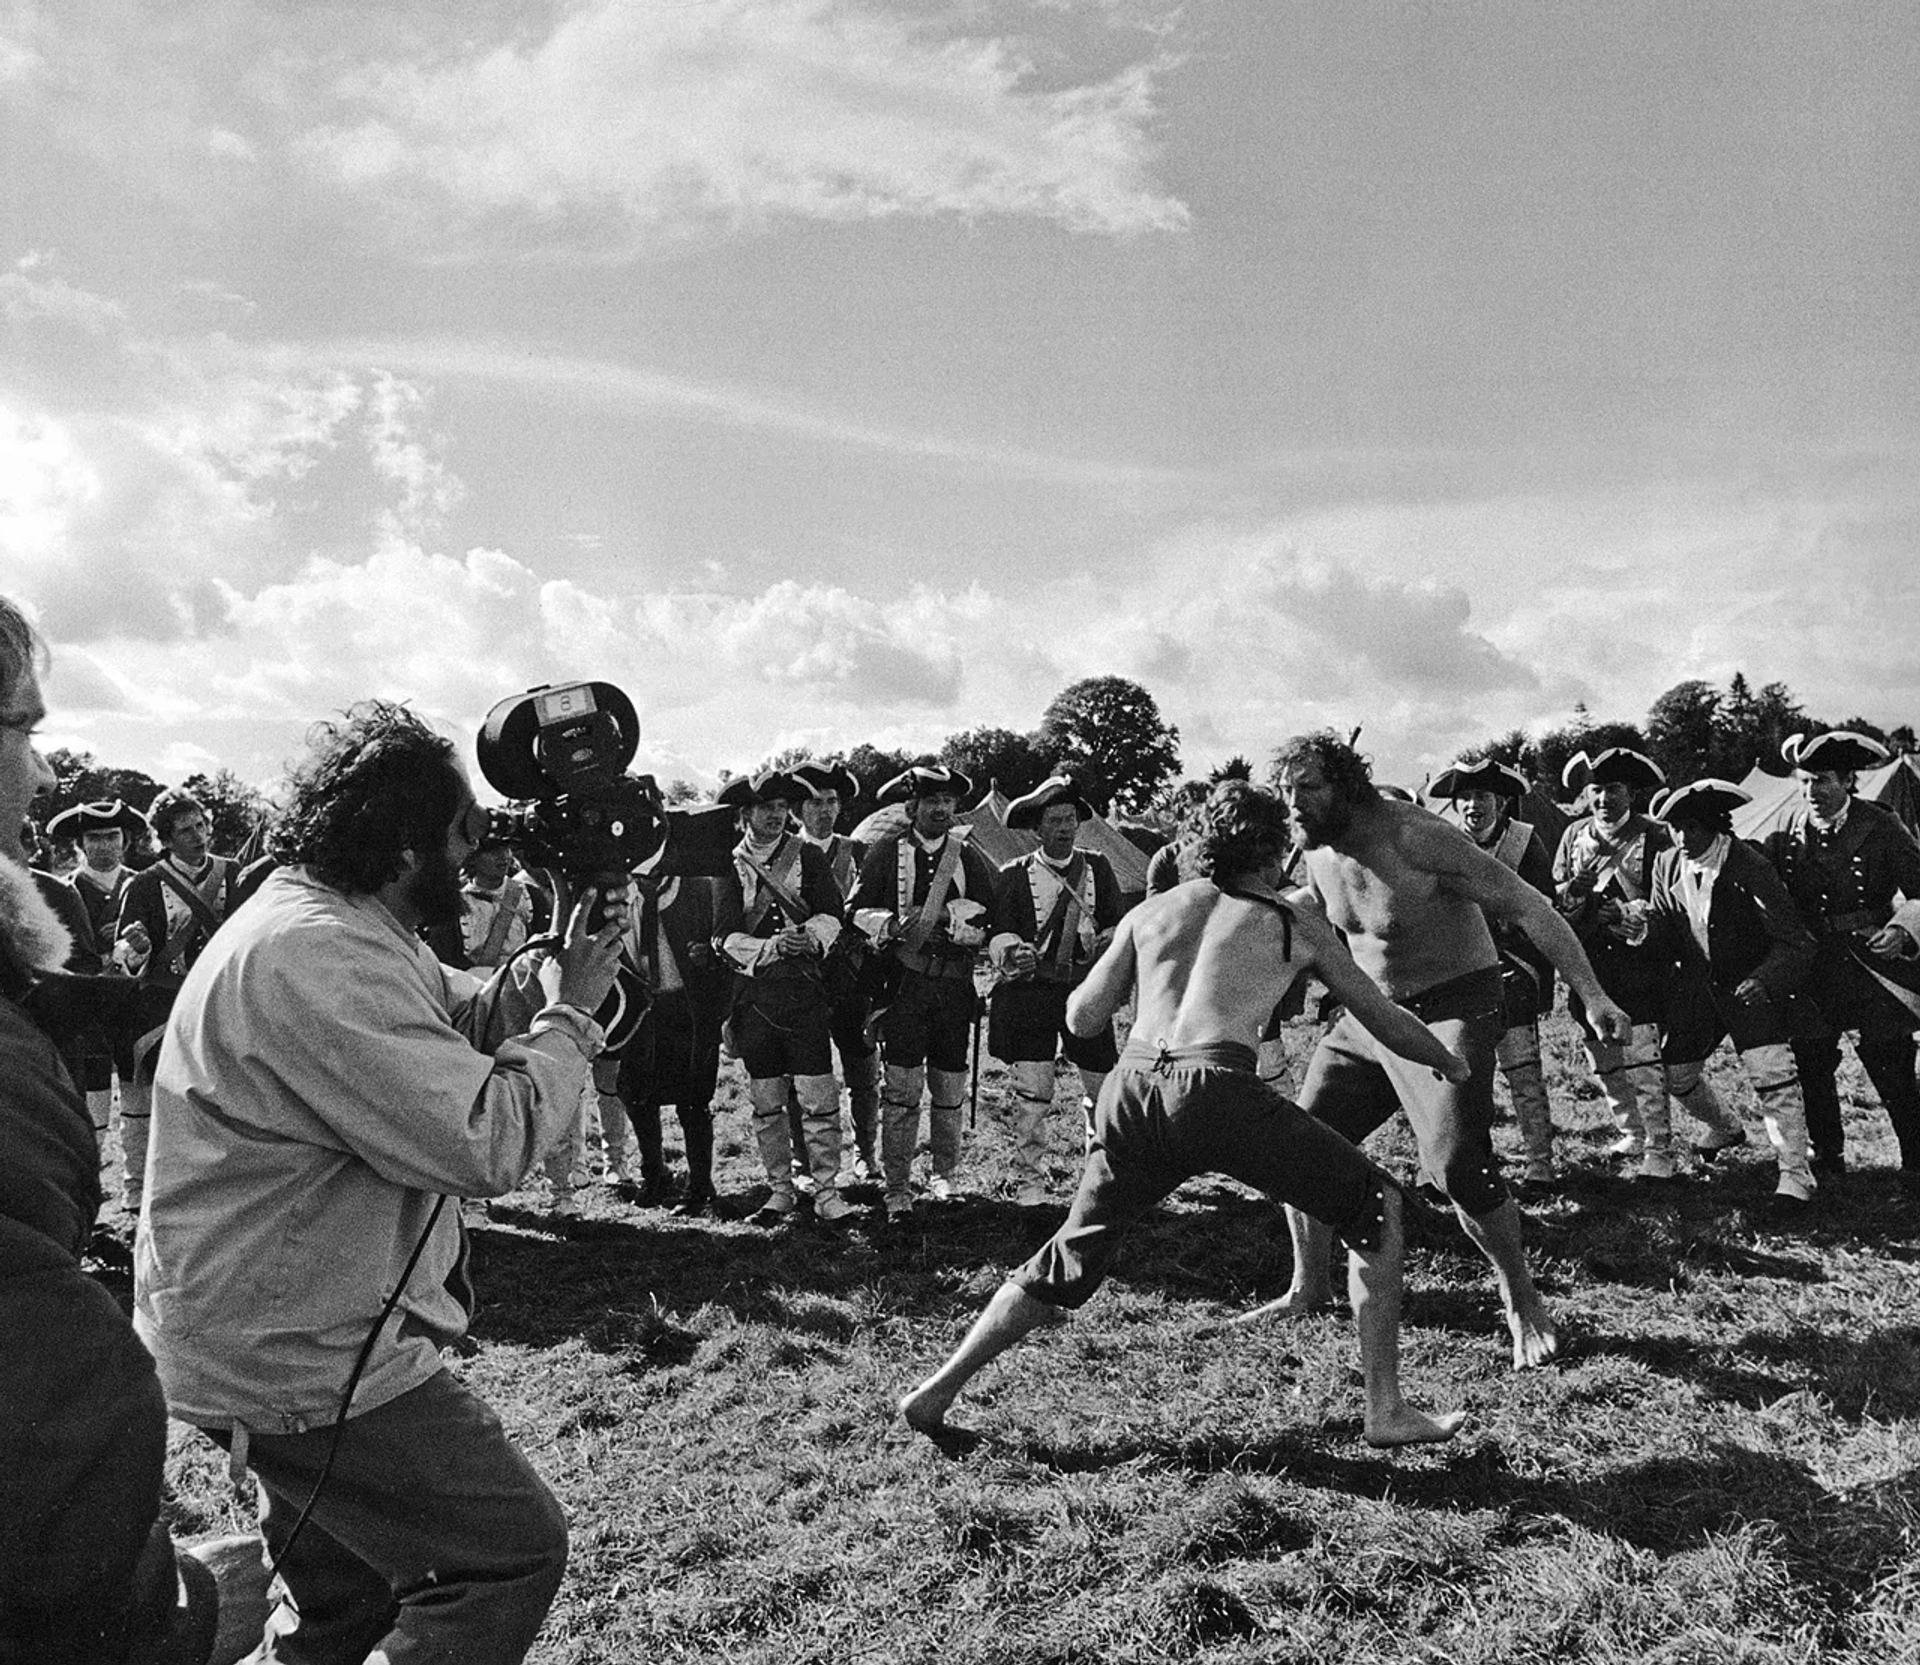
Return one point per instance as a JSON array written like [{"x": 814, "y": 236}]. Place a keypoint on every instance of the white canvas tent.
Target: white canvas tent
[
  {"x": 1894, "y": 786},
  {"x": 1000, "y": 844}
]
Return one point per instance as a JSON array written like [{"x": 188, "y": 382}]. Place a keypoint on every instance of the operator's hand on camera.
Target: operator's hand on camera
[{"x": 580, "y": 971}]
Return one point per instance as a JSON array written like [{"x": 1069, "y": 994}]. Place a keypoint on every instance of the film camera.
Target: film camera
[{"x": 560, "y": 752}]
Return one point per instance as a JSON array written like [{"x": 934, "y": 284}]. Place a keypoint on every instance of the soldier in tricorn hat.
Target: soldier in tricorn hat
[
  {"x": 928, "y": 897},
  {"x": 1603, "y": 879},
  {"x": 775, "y": 916},
  {"x": 1059, "y": 905},
  {"x": 1721, "y": 910},
  {"x": 103, "y": 830},
  {"x": 831, "y": 787},
  {"x": 1843, "y": 860},
  {"x": 1488, "y": 793}
]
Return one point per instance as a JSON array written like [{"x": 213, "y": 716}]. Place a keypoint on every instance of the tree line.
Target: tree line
[
  {"x": 1691, "y": 730},
  {"x": 236, "y": 810},
  {"x": 1107, "y": 731}
]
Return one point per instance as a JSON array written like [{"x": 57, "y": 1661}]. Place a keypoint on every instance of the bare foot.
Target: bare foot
[
  {"x": 1534, "y": 1340},
  {"x": 925, "y": 1411},
  {"x": 1406, "y": 1426},
  {"x": 1296, "y": 1303}
]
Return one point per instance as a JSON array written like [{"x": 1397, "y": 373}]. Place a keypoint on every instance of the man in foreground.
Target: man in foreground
[
  {"x": 88, "y": 1574},
  {"x": 1413, "y": 897},
  {"x": 324, "y": 1086},
  {"x": 1206, "y": 962}
]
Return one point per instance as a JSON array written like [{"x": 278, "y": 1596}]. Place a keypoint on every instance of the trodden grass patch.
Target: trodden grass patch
[{"x": 1722, "y": 1469}]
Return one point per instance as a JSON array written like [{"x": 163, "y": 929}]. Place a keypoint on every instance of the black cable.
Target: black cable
[{"x": 353, "y": 1381}]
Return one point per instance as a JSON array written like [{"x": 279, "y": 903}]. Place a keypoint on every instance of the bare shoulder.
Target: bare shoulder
[{"x": 1422, "y": 839}]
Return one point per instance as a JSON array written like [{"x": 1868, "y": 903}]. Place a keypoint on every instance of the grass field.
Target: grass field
[{"x": 1726, "y": 1467}]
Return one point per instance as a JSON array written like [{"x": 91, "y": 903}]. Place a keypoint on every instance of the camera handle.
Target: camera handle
[{"x": 560, "y": 888}]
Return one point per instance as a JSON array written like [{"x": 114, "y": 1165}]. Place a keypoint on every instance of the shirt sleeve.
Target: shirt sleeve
[{"x": 364, "y": 1040}]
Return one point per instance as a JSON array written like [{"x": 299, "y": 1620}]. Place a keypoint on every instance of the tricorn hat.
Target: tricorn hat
[
  {"x": 1488, "y": 775},
  {"x": 1617, "y": 765},
  {"x": 1841, "y": 750},
  {"x": 102, "y": 815},
  {"x": 744, "y": 791},
  {"x": 1700, "y": 799},
  {"x": 1024, "y": 813},
  {"x": 826, "y": 777},
  {"x": 923, "y": 780}
]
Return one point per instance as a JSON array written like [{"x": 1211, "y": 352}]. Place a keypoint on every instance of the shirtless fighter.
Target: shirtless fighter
[
  {"x": 1413, "y": 896},
  {"x": 1207, "y": 960}
]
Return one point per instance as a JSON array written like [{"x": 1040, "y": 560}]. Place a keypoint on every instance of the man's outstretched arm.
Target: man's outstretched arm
[
  {"x": 1469, "y": 872},
  {"x": 1104, "y": 989}
]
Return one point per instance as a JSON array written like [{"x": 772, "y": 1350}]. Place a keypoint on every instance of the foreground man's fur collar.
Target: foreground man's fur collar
[{"x": 31, "y": 935}]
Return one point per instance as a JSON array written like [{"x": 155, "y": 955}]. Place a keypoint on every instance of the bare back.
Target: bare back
[
  {"x": 1389, "y": 883},
  {"x": 1208, "y": 966}
]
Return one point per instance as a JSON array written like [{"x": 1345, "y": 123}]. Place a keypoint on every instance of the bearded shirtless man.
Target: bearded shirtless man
[
  {"x": 1207, "y": 960},
  {"x": 1413, "y": 896}
]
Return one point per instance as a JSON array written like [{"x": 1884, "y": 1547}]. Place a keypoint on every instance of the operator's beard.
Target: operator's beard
[{"x": 435, "y": 892}]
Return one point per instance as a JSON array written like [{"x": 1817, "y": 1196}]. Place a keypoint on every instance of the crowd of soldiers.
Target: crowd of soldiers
[
  {"x": 827, "y": 965},
  {"x": 1781, "y": 947}
]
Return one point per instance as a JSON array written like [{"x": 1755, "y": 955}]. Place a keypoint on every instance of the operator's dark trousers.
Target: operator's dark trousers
[{"x": 433, "y": 1539}]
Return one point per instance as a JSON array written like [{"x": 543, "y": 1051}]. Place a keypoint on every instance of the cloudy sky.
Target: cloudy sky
[{"x": 839, "y": 370}]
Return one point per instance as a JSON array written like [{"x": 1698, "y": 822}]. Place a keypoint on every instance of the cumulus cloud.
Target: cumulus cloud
[
  {"x": 134, "y": 472},
  {"x": 626, "y": 123}
]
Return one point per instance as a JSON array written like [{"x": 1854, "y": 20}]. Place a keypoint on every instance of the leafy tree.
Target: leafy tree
[
  {"x": 1777, "y": 714},
  {"x": 80, "y": 779},
  {"x": 873, "y": 767},
  {"x": 1236, "y": 767},
  {"x": 1512, "y": 748},
  {"x": 1110, "y": 732},
  {"x": 1900, "y": 740},
  {"x": 1684, "y": 732},
  {"x": 1737, "y": 730},
  {"x": 680, "y": 790},
  {"x": 1547, "y": 761},
  {"x": 1015, "y": 763},
  {"x": 236, "y": 809},
  {"x": 785, "y": 758},
  {"x": 1860, "y": 725}
]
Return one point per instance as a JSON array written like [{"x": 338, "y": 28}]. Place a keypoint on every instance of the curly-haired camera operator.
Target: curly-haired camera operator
[{"x": 324, "y": 1086}]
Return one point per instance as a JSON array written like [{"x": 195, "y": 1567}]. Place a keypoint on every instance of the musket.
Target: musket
[{"x": 973, "y": 1084}]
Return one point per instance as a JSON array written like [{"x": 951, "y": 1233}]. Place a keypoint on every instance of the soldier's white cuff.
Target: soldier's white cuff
[
  {"x": 877, "y": 923},
  {"x": 824, "y": 929}
]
